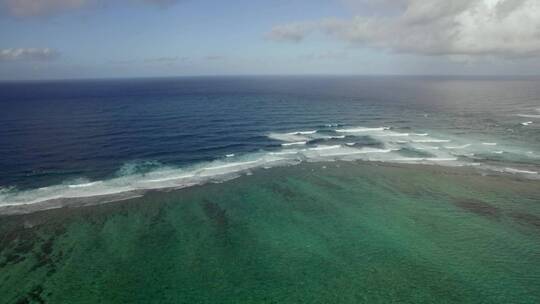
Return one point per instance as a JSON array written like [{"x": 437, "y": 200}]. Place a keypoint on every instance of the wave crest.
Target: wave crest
[{"x": 362, "y": 143}]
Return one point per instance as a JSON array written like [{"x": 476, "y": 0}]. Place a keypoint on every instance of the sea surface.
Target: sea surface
[{"x": 270, "y": 190}]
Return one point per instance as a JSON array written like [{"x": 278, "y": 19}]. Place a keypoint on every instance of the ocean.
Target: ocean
[{"x": 271, "y": 189}]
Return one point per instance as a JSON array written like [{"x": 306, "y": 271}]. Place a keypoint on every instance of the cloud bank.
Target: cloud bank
[
  {"x": 507, "y": 28},
  {"x": 28, "y": 54},
  {"x": 291, "y": 32}
]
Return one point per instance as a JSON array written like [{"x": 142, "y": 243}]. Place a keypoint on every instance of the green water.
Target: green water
[{"x": 345, "y": 233}]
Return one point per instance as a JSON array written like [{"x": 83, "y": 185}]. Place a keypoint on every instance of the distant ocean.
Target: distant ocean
[{"x": 317, "y": 189}]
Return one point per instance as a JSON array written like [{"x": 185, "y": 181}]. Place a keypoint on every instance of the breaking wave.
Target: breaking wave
[
  {"x": 359, "y": 143},
  {"x": 529, "y": 115}
]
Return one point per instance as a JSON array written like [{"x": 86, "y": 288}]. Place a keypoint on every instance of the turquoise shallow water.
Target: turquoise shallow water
[{"x": 336, "y": 232}]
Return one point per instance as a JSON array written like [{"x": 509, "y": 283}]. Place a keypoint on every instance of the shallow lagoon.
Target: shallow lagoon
[{"x": 338, "y": 232}]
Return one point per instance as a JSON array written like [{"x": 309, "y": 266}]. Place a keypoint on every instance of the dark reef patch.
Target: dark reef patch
[
  {"x": 218, "y": 216},
  {"x": 477, "y": 207},
  {"x": 34, "y": 296},
  {"x": 526, "y": 218},
  {"x": 284, "y": 191}
]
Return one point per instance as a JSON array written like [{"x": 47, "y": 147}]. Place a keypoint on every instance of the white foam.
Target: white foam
[
  {"x": 526, "y": 123},
  {"x": 284, "y": 153},
  {"x": 529, "y": 115},
  {"x": 512, "y": 170},
  {"x": 424, "y": 159},
  {"x": 303, "y": 132},
  {"x": 133, "y": 183},
  {"x": 358, "y": 151},
  {"x": 431, "y": 140},
  {"x": 393, "y": 134},
  {"x": 361, "y": 130},
  {"x": 294, "y": 143},
  {"x": 441, "y": 159},
  {"x": 318, "y": 148},
  {"x": 170, "y": 178},
  {"x": 232, "y": 165},
  {"x": 84, "y": 185},
  {"x": 287, "y": 137},
  {"x": 457, "y": 147}
]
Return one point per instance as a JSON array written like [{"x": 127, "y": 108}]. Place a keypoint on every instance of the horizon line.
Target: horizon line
[{"x": 265, "y": 75}]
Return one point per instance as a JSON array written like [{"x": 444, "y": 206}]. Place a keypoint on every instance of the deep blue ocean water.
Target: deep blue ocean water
[{"x": 60, "y": 139}]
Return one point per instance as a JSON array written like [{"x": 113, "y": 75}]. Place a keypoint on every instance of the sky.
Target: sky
[{"x": 66, "y": 39}]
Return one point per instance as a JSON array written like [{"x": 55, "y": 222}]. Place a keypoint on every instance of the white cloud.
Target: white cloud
[
  {"x": 28, "y": 54},
  {"x": 436, "y": 27},
  {"x": 292, "y": 32}
]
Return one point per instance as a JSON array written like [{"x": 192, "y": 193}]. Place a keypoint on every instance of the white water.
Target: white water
[
  {"x": 529, "y": 115},
  {"x": 296, "y": 149}
]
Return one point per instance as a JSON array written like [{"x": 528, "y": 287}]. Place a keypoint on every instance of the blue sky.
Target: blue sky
[{"x": 43, "y": 39}]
